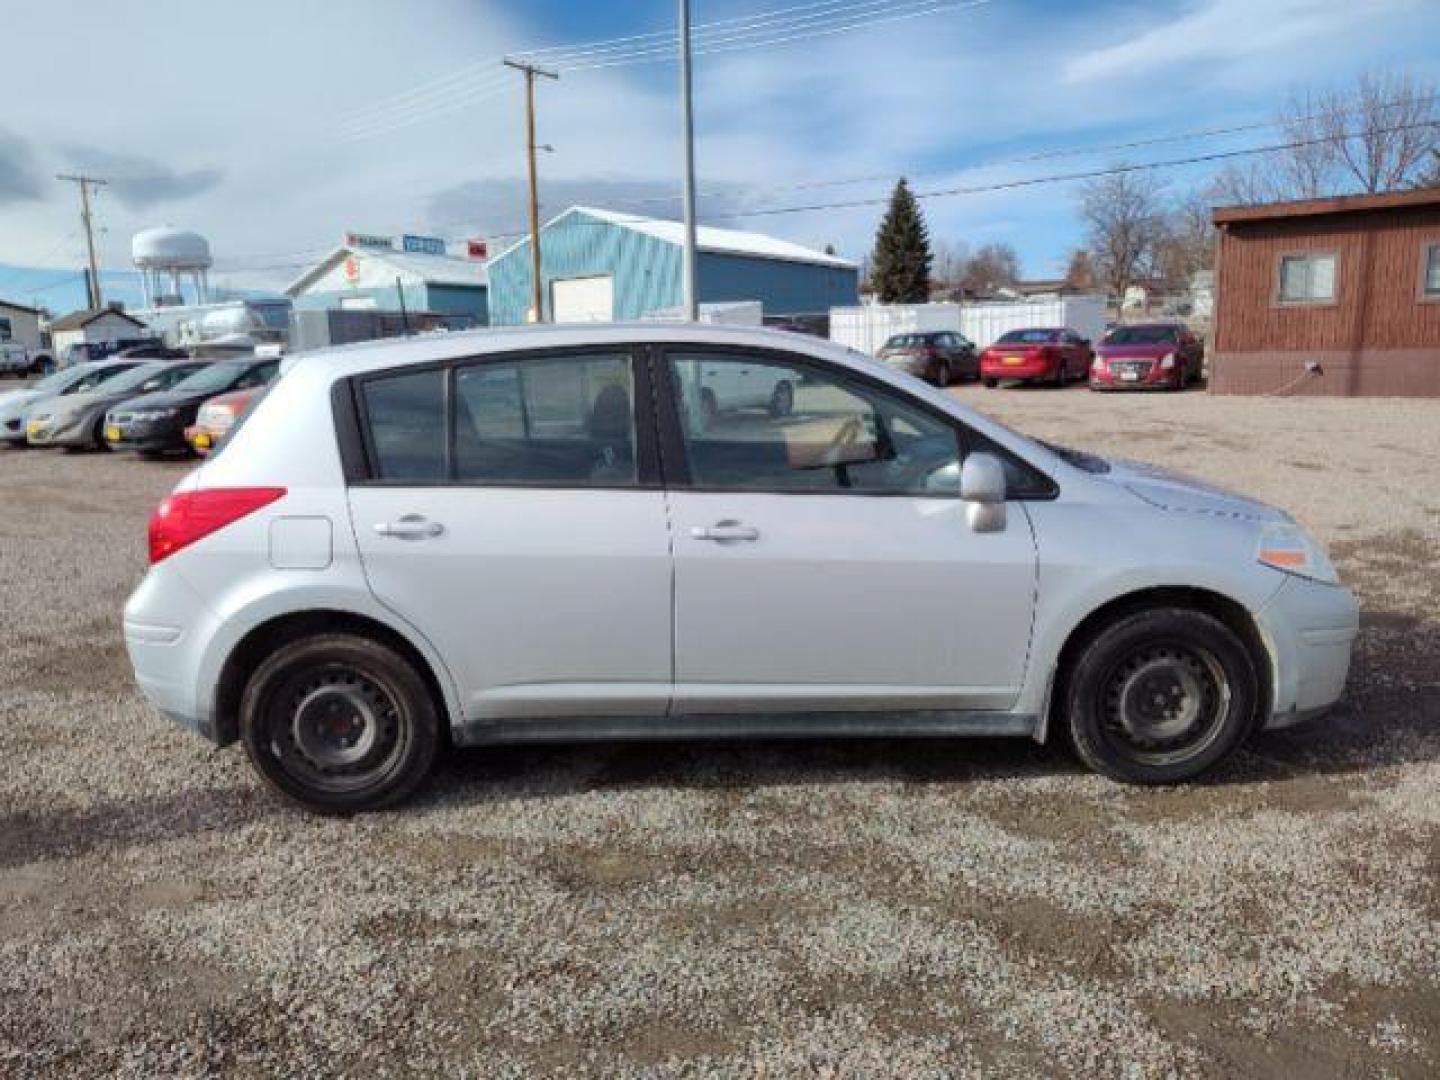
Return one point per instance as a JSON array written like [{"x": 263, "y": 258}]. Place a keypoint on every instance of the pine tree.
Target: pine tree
[{"x": 901, "y": 266}]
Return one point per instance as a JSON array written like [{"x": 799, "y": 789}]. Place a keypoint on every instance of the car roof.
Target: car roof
[{"x": 399, "y": 352}]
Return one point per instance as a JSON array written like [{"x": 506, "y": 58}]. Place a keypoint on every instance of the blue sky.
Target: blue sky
[{"x": 275, "y": 131}]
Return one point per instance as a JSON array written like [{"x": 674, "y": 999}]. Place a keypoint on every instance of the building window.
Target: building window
[
  {"x": 1430, "y": 286},
  {"x": 1307, "y": 279},
  {"x": 5, "y": 330}
]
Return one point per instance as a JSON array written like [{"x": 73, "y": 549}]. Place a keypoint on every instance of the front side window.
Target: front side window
[
  {"x": 1307, "y": 279},
  {"x": 556, "y": 421},
  {"x": 1431, "y": 285},
  {"x": 754, "y": 424}
]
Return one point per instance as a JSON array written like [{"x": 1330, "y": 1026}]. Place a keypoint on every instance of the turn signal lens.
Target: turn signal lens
[
  {"x": 1289, "y": 548},
  {"x": 188, "y": 516},
  {"x": 1167, "y": 362}
]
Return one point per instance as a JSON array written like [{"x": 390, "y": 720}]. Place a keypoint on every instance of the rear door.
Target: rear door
[{"x": 511, "y": 511}]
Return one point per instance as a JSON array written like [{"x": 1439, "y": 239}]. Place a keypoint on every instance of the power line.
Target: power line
[{"x": 449, "y": 92}]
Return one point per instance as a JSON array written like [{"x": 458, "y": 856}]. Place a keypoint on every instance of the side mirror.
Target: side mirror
[{"x": 982, "y": 486}]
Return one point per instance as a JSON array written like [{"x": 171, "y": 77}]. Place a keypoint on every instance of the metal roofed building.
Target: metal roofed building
[
  {"x": 361, "y": 275},
  {"x": 600, "y": 265}
]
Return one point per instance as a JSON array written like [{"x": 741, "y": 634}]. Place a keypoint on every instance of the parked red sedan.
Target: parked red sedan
[
  {"x": 216, "y": 417},
  {"x": 1051, "y": 356},
  {"x": 1147, "y": 356}
]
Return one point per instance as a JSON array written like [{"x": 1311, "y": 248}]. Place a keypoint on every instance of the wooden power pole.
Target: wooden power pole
[
  {"x": 530, "y": 71},
  {"x": 92, "y": 286}
]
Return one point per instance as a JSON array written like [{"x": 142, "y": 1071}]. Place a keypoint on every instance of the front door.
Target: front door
[
  {"x": 822, "y": 557},
  {"x": 522, "y": 530}
]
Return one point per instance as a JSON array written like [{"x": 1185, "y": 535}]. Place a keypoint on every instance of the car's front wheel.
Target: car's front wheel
[
  {"x": 340, "y": 724},
  {"x": 1160, "y": 696}
]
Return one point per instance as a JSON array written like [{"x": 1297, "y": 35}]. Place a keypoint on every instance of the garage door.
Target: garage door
[{"x": 586, "y": 299}]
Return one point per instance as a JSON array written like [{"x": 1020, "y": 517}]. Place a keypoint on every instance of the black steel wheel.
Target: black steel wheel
[
  {"x": 340, "y": 724},
  {"x": 1160, "y": 696}
]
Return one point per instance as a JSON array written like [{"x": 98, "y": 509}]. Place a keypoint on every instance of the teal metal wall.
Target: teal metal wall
[{"x": 646, "y": 274}]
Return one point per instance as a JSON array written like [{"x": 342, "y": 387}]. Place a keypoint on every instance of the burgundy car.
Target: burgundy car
[{"x": 1147, "y": 356}]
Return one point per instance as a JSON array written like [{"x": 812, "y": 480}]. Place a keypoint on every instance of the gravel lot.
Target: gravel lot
[{"x": 860, "y": 909}]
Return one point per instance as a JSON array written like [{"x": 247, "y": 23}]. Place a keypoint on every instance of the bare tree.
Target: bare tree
[
  {"x": 1189, "y": 241},
  {"x": 951, "y": 258},
  {"x": 993, "y": 266},
  {"x": 1080, "y": 270},
  {"x": 1384, "y": 133},
  {"x": 1125, "y": 220}
]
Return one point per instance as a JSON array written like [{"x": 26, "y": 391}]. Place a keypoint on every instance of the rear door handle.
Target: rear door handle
[
  {"x": 410, "y": 527},
  {"x": 725, "y": 532}
]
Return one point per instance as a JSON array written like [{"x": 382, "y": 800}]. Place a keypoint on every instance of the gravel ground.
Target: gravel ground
[{"x": 859, "y": 909}]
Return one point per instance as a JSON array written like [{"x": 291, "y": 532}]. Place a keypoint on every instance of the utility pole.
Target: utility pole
[
  {"x": 92, "y": 289},
  {"x": 691, "y": 297},
  {"x": 530, "y": 71}
]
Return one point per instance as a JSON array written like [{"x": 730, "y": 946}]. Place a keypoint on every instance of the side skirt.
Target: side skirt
[{"x": 857, "y": 725}]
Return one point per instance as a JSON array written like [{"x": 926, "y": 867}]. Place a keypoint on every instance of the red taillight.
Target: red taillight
[{"x": 188, "y": 516}]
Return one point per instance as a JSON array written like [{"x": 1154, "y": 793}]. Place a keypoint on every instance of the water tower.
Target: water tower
[{"x": 168, "y": 259}]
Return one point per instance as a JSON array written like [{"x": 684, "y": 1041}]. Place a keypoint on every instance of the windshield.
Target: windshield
[
  {"x": 130, "y": 377},
  {"x": 61, "y": 379},
  {"x": 1140, "y": 335},
  {"x": 212, "y": 377},
  {"x": 1027, "y": 337}
]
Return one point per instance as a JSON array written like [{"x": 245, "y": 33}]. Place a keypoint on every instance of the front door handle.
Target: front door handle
[
  {"x": 725, "y": 532},
  {"x": 410, "y": 527}
]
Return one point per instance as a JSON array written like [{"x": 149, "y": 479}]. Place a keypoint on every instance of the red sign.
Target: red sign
[{"x": 477, "y": 249}]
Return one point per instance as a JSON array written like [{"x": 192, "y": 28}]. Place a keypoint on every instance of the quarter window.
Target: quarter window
[
  {"x": 1307, "y": 278},
  {"x": 763, "y": 425},
  {"x": 563, "y": 421},
  {"x": 406, "y": 418},
  {"x": 1431, "y": 285}
]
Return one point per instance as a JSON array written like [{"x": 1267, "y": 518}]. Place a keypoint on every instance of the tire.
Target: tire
[
  {"x": 943, "y": 377},
  {"x": 990, "y": 384},
  {"x": 340, "y": 724},
  {"x": 782, "y": 399},
  {"x": 1195, "y": 663},
  {"x": 97, "y": 437}
]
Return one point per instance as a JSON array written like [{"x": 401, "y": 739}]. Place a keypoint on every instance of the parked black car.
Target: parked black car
[
  {"x": 937, "y": 356},
  {"x": 155, "y": 424}
]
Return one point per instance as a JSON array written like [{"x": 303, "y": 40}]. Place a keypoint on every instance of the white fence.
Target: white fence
[{"x": 867, "y": 327}]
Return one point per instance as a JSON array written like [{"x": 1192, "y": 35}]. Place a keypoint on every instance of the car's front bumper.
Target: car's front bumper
[
  {"x": 67, "y": 432},
  {"x": 146, "y": 435},
  {"x": 1310, "y": 630}
]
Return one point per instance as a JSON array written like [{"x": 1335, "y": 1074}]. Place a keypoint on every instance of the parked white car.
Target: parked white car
[{"x": 536, "y": 535}]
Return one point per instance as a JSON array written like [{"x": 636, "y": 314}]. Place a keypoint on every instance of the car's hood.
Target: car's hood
[
  {"x": 1135, "y": 352},
  {"x": 1171, "y": 490},
  {"x": 18, "y": 401},
  {"x": 165, "y": 399}
]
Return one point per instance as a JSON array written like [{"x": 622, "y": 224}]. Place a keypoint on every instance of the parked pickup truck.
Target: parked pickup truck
[{"x": 18, "y": 360}]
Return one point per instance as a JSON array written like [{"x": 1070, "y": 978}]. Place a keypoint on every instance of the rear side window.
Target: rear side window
[
  {"x": 559, "y": 421},
  {"x": 405, "y": 415}
]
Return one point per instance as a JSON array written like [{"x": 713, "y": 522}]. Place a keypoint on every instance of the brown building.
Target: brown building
[{"x": 1351, "y": 284}]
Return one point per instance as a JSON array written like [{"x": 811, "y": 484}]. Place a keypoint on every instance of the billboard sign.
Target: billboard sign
[
  {"x": 422, "y": 245},
  {"x": 477, "y": 249},
  {"x": 368, "y": 240}
]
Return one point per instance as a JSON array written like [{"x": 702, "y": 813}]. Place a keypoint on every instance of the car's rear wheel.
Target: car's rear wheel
[
  {"x": 1160, "y": 696},
  {"x": 943, "y": 377},
  {"x": 340, "y": 724}
]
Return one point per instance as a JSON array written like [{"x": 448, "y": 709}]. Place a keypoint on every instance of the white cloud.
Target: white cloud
[{"x": 1212, "y": 31}]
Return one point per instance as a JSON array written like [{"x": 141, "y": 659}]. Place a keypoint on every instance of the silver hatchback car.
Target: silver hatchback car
[{"x": 549, "y": 534}]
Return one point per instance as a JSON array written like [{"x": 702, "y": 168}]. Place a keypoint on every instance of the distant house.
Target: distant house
[
  {"x": 366, "y": 275},
  {"x": 599, "y": 265},
  {"x": 20, "y": 325},
  {"x": 93, "y": 325},
  {"x": 1329, "y": 296}
]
